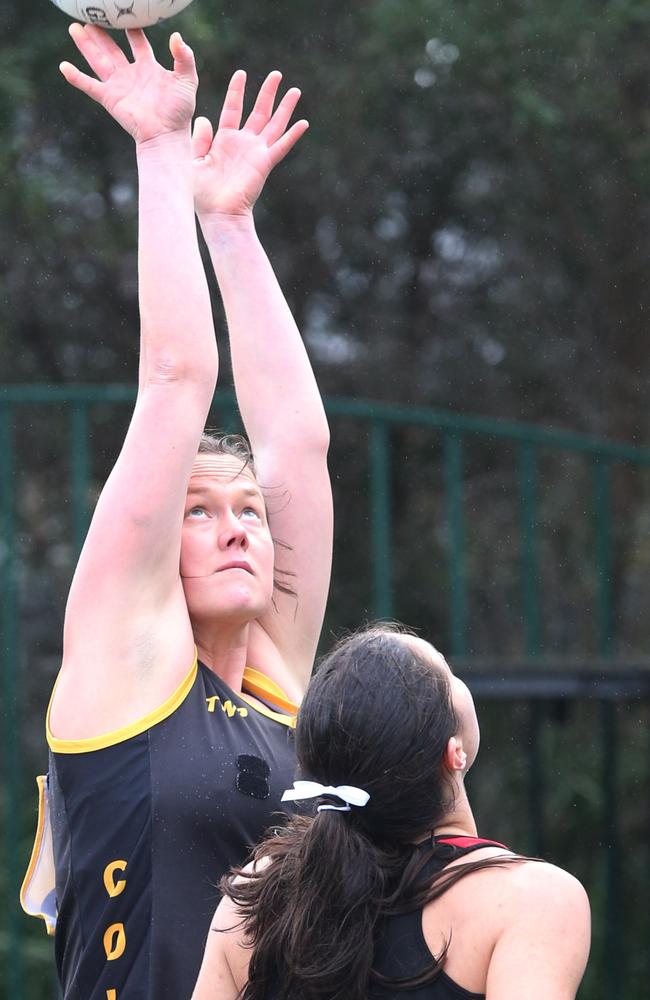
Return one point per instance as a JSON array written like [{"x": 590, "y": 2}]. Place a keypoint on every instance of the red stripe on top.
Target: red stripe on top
[{"x": 463, "y": 841}]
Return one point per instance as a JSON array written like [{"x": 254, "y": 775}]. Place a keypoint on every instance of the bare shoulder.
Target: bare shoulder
[
  {"x": 539, "y": 898},
  {"x": 252, "y": 868},
  {"x": 518, "y": 928},
  {"x": 543, "y": 943},
  {"x": 225, "y": 960},
  {"x": 542, "y": 885},
  {"x": 510, "y": 890},
  {"x": 227, "y": 919}
]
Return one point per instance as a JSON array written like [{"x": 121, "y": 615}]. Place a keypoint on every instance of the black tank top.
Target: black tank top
[
  {"x": 145, "y": 821},
  {"x": 401, "y": 950}
]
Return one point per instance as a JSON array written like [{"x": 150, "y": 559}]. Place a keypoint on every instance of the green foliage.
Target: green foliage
[
  {"x": 465, "y": 225},
  {"x": 473, "y": 186}
]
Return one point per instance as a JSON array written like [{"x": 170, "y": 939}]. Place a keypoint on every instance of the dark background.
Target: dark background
[{"x": 464, "y": 227}]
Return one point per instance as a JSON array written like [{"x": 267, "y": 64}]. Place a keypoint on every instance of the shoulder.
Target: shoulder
[
  {"x": 535, "y": 893},
  {"x": 223, "y": 969},
  {"x": 526, "y": 881},
  {"x": 253, "y": 867},
  {"x": 512, "y": 894},
  {"x": 227, "y": 910},
  {"x": 519, "y": 927},
  {"x": 543, "y": 942},
  {"x": 227, "y": 949},
  {"x": 545, "y": 887}
]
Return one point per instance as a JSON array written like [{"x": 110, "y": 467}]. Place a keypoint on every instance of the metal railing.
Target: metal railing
[{"x": 532, "y": 680}]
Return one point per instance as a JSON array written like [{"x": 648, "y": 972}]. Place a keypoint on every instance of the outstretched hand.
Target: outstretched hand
[
  {"x": 231, "y": 166},
  {"x": 142, "y": 96}
]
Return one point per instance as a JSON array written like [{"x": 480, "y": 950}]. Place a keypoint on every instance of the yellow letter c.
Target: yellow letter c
[{"x": 112, "y": 887}]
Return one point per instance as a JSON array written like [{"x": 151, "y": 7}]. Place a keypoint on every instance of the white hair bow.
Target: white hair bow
[{"x": 312, "y": 789}]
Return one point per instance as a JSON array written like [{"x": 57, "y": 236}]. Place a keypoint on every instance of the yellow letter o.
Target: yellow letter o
[{"x": 114, "y": 941}]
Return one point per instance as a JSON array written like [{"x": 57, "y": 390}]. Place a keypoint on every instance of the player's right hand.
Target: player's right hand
[{"x": 142, "y": 96}]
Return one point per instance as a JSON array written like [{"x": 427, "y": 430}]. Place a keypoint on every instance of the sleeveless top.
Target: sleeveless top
[
  {"x": 401, "y": 949},
  {"x": 145, "y": 821}
]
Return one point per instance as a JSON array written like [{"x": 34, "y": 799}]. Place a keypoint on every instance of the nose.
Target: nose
[{"x": 233, "y": 535}]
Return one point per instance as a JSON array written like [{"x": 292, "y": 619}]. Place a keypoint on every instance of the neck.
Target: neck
[
  {"x": 460, "y": 820},
  {"x": 224, "y": 651}
]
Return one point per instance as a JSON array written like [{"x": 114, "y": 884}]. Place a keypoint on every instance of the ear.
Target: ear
[{"x": 454, "y": 757}]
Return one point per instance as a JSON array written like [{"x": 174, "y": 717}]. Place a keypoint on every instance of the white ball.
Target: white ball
[{"x": 121, "y": 13}]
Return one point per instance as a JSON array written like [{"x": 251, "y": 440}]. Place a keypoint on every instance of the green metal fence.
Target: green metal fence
[{"x": 534, "y": 679}]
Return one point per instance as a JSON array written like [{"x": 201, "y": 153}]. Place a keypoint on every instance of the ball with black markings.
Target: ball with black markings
[{"x": 121, "y": 13}]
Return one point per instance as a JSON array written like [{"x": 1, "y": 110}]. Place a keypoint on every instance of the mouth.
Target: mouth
[{"x": 238, "y": 564}]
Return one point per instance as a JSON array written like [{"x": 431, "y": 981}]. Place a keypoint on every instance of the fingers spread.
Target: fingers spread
[
  {"x": 101, "y": 53},
  {"x": 87, "y": 84},
  {"x": 139, "y": 44},
  {"x": 285, "y": 143},
  {"x": 282, "y": 116},
  {"x": 263, "y": 109},
  {"x": 234, "y": 102}
]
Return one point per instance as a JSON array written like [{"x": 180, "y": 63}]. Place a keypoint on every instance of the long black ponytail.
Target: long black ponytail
[{"x": 378, "y": 715}]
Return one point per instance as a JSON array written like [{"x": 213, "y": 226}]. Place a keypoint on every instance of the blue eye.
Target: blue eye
[
  {"x": 196, "y": 512},
  {"x": 250, "y": 512}
]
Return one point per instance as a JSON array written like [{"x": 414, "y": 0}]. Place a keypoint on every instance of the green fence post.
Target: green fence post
[
  {"x": 528, "y": 501},
  {"x": 12, "y": 962},
  {"x": 80, "y": 472},
  {"x": 530, "y": 548},
  {"x": 612, "y": 951},
  {"x": 457, "y": 563},
  {"x": 603, "y": 516},
  {"x": 612, "y": 872},
  {"x": 382, "y": 569}
]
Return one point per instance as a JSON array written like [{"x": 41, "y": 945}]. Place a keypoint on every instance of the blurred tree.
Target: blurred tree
[
  {"x": 464, "y": 226},
  {"x": 468, "y": 213}
]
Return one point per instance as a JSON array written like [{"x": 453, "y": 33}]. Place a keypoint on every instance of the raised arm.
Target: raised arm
[
  {"x": 126, "y": 610},
  {"x": 276, "y": 389}
]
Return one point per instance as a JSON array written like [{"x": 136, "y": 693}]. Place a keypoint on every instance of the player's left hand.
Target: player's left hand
[
  {"x": 231, "y": 166},
  {"x": 145, "y": 98}
]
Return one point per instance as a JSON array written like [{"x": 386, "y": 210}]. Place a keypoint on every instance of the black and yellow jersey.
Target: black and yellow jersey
[{"x": 145, "y": 821}]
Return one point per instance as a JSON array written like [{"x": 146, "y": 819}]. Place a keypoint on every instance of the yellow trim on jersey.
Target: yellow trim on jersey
[
  {"x": 27, "y": 904},
  {"x": 259, "y": 684},
  {"x": 126, "y": 732},
  {"x": 285, "y": 720}
]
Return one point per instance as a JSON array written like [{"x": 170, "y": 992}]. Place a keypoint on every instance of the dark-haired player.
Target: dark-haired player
[{"x": 386, "y": 891}]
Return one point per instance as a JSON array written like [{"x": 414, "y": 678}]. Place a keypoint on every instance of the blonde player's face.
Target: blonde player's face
[{"x": 226, "y": 547}]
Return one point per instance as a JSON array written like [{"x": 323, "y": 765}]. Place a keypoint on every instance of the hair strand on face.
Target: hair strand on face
[{"x": 214, "y": 442}]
